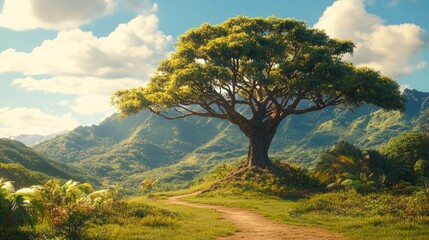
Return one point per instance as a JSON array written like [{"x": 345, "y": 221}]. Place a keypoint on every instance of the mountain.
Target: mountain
[
  {"x": 175, "y": 152},
  {"x": 26, "y": 167},
  {"x": 31, "y": 140}
]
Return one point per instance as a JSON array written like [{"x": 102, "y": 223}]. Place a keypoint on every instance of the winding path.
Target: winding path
[{"x": 256, "y": 227}]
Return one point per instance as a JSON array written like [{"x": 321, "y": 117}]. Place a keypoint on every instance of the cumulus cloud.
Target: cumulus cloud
[
  {"x": 16, "y": 121},
  {"x": 51, "y": 14},
  {"x": 89, "y": 67},
  {"x": 92, "y": 104},
  {"x": 92, "y": 94},
  {"x": 392, "y": 49},
  {"x": 131, "y": 50}
]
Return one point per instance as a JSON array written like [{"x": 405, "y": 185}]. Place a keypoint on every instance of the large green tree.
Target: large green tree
[
  {"x": 408, "y": 148},
  {"x": 254, "y": 72}
]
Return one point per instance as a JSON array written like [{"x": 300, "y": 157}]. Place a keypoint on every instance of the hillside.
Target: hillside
[
  {"x": 26, "y": 167},
  {"x": 176, "y": 152}
]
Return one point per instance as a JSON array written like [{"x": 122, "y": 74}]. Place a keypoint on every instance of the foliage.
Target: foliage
[
  {"x": 60, "y": 210},
  {"x": 21, "y": 175},
  {"x": 408, "y": 148},
  {"x": 386, "y": 170},
  {"x": 360, "y": 183},
  {"x": 346, "y": 166},
  {"x": 148, "y": 186},
  {"x": 421, "y": 168}
]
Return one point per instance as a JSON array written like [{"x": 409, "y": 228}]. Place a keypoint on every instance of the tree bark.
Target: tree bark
[{"x": 259, "y": 145}]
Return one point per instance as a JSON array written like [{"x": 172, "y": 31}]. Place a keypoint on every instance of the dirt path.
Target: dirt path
[{"x": 256, "y": 227}]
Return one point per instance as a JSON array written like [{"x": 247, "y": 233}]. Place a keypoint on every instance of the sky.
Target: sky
[{"x": 60, "y": 60}]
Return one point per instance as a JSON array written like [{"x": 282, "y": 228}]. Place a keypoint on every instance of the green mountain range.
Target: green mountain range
[
  {"x": 26, "y": 167},
  {"x": 177, "y": 152}
]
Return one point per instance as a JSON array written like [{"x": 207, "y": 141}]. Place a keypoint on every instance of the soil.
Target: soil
[{"x": 254, "y": 226}]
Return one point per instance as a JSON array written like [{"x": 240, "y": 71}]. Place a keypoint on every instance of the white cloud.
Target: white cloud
[
  {"x": 91, "y": 68},
  {"x": 93, "y": 94},
  {"x": 392, "y": 49},
  {"x": 92, "y": 104},
  {"x": 51, "y": 14},
  {"x": 16, "y": 121},
  {"x": 132, "y": 50}
]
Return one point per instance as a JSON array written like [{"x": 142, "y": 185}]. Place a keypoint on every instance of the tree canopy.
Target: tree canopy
[
  {"x": 254, "y": 72},
  {"x": 408, "y": 148}
]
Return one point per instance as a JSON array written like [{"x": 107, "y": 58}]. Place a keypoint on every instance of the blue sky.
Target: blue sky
[{"x": 60, "y": 60}]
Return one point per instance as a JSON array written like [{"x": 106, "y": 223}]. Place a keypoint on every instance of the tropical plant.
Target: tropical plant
[
  {"x": 359, "y": 183},
  {"x": 148, "y": 186},
  {"x": 334, "y": 163},
  {"x": 362, "y": 171},
  {"x": 64, "y": 207},
  {"x": 387, "y": 171},
  {"x": 18, "y": 208}
]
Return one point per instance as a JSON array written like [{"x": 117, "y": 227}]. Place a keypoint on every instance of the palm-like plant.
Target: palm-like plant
[
  {"x": 6, "y": 189},
  {"x": 342, "y": 158},
  {"x": 387, "y": 171},
  {"x": 105, "y": 196},
  {"x": 360, "y": 183},
  {"x": 65, "y": 207},
  {"x": 18, "y": 208},
  {"x": 349, "y": 167}
]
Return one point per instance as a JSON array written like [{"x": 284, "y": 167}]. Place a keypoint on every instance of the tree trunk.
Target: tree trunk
[{"x": 259, "y": 145}]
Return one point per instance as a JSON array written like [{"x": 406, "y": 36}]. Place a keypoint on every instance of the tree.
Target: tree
[
  {"x": 408, "y": 148},
  {"x": 254, "y": 72}
]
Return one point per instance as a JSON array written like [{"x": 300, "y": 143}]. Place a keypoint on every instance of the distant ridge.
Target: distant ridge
[{"x": 33, "y": 139}]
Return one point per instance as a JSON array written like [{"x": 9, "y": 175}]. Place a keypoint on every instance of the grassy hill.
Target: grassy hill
[
  {"x": 177, "y": 152},
  {"x": 26, "y": 167}
]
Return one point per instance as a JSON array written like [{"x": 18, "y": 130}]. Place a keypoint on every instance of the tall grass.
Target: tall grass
[
  {"x": 375, "y": 216},
  {"x": 151, "y": 218}
]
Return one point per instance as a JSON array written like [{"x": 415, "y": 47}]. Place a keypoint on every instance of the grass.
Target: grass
[
  {"x": 381, "y": 216},
  {"x": 164, "y": 221}
]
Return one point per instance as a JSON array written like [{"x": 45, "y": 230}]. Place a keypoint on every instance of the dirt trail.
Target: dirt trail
[{"x": 256, "y": 227}]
